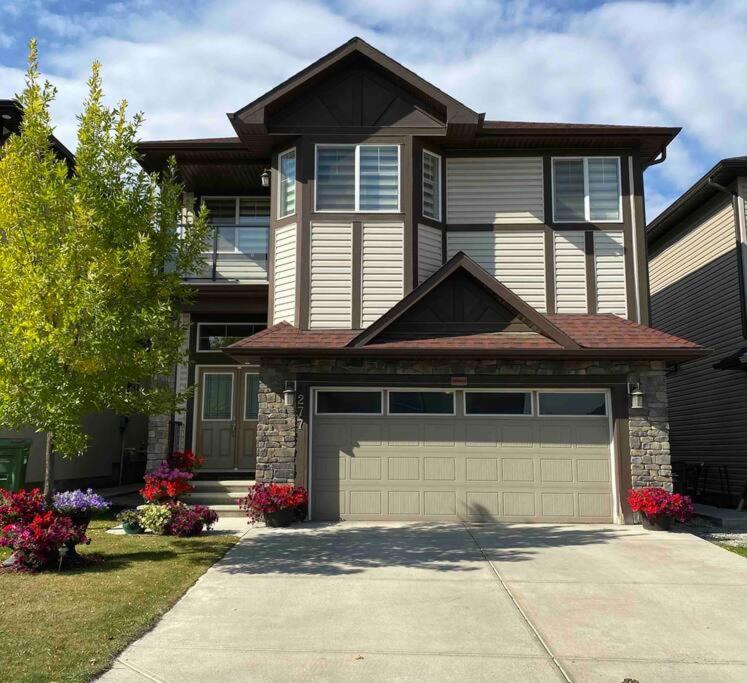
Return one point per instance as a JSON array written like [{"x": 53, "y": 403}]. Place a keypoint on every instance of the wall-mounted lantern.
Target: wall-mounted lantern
[
  {"x": 289, "y": 393},
  {"x": 636, "y": 396},
  {"x": 265, "y": 178}
]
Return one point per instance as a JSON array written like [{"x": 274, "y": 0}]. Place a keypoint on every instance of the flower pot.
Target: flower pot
[
  {"x": 657, "y": 522},
  {"x": 284, "y": 517},
  {"x": 132, "y": 528}
]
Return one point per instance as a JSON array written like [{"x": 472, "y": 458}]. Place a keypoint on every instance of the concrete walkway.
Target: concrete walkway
[{"x": 444, "y": 602}]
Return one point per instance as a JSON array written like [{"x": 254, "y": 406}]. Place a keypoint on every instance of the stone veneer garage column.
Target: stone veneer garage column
[{"x": 648, "y": 428}]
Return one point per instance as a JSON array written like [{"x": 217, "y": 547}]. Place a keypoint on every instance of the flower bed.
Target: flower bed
[{"x": 41, "y": 535}]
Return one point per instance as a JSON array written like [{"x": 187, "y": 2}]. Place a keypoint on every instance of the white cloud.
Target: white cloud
[{"x": 623, "y": 62}]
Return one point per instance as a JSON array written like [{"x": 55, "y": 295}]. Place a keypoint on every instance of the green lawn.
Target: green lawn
[
  {"x": 739, "y": 550},
  {"x": 68, "y": 626}
]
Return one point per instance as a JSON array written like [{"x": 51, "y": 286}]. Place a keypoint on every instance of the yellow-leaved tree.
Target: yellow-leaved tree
[{"x": 90, "y": 272}]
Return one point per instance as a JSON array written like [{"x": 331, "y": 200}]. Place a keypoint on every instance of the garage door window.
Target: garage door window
[
  {"x": 497, "y": 403},
  {"x": 572, "y": 404},
  {"x": 421, "y": 403},
  {"x": 348, "y": 403}
]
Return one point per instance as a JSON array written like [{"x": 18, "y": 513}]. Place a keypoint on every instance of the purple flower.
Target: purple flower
[{"x": 79, "y": 501}]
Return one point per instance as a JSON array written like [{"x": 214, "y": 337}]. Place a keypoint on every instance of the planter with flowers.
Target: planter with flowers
[
  {"x": 41, "y": 535},
  {"x": 163, "y": 512},
  {"x": 658, "y": 508},
  {"x": 279, "y": 505},
  {"x": 131, "y": 521}
]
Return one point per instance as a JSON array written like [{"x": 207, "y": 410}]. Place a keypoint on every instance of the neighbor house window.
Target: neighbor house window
[
  {"x": 431, "y": 185},
  {"x": 348, "y": 402},
  {"x": 357, "y": 178},
  {"x": 214, "y": 336},
  {"x": 572, "y": 403},
  {"x": 421, "y": 403},
  {"x": 287, "y": 191},
  {"x": 586, "y": 189},
  {"x": 497, "y": 403}
]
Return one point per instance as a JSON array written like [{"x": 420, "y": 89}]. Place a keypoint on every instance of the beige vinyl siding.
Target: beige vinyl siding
[
  {"x": 382, "y": 269},
  {"x": 570, "y": 272},
  {"x": 284, "y": 275},
  {"x": 494, "y": 190},
  {"x": 430, "y": 251},
  {"x": 609, "y": 271},
  {"x": 331, "y": 282},
  {"x": 708, "y": 240},
  {"x": 515, "y": 258},
  {"x": 695, "y": 295}
]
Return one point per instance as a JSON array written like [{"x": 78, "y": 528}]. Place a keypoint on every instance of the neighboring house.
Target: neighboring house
[
  {"x": 457, "y": 307},
  {"x": 698, "y": 271},
  {"x": 100, "y": 464}
]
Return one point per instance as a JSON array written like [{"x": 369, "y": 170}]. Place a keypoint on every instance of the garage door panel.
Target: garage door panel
[
  {"x": 517, "y": 469},
  {"x": 481, "y": 469},
  {"x": 556, "y": 470},
  {"x": 525, "y": 468}
]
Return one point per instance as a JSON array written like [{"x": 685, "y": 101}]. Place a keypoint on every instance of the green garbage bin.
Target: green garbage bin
[{"x": 14, "y": 455}]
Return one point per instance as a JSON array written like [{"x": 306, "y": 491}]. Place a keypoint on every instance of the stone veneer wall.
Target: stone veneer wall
[{"x": 648, "y": 427}]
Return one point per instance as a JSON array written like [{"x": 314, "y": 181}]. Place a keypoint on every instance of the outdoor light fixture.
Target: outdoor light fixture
[
  {"x": 636, "y": 396},
  {"x": 289, "y": 394},
  {"x": 265, "y": 178},
  {"x": 7, "y": 117}
]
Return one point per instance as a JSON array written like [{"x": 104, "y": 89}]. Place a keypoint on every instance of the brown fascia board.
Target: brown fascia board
[
  {"x": 460, "y": 260},
  {"x": 253, "y": 113},
  {"x": 246, "y": 355},
  {"x": 724, "y": 172},
  {"x": 196, "y": 144}
]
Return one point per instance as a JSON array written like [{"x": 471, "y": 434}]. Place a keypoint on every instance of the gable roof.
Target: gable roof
[
  {"x": 461, "y": 262},
  {"x": 251, "y": 118},
  {"x": 722, "y": 173}
]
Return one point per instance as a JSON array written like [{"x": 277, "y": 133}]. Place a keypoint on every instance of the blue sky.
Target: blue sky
[{"x": 184, "y": 64}]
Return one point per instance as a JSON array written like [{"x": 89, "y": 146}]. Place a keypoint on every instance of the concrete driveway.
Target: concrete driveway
[{"x": 370, "y": 601}]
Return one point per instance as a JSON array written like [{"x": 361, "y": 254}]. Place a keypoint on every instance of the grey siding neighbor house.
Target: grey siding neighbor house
[
  {"x": 419, "y": 312},
  {"x": 697, "y": 256}
]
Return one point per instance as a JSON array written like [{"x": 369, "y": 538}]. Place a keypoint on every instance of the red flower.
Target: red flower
[{"x": 654, "y": 501}]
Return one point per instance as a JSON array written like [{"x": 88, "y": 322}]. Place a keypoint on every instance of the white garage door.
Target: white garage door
[{"x": 507, "y": 455}]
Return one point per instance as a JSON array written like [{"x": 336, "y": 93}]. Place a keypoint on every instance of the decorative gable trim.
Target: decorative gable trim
[{"x": 506, "y": 298}]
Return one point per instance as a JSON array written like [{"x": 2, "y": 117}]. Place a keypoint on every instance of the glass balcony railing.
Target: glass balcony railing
[{"x": 235, "y": 253}]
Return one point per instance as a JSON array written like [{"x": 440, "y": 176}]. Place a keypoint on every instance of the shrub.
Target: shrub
[
  {"x": 263, "y": 498},
  {"x": 654, "y": 501},
  {"x": 189, "y": 521},
  {"x": 20, "y": 507},
  {"x": 156, "y": 518}
]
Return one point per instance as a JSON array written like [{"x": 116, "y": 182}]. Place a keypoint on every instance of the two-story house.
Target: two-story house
[
  {"x": 698, "y": 267},
  {"x": 456, "y": 307}
]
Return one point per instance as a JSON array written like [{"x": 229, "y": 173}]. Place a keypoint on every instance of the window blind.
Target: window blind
[
  {"x": 379, "y": 177},
  {"x": 287, "y": 183},
  {"x": 335, "y": 178},
  {"x": 431, "y": 186}
]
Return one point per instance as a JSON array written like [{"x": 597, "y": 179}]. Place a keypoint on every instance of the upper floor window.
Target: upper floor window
[
  {"x": 214, "y": 336},
  {"x": 241, "y": 224},
  {"x": 431, "y": 185},
  {"x": 287, "y": 191},
  {"x": 357, "y": 178},
  {"x": 586, "y": 189}
]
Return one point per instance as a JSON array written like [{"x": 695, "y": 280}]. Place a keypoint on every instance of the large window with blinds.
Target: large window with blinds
[
  {"x": 586, "y": 189},
  {"x": 431, "y": 185},
  {"x": 357, "y": 178},
  {"x": 241, "y": 224}
]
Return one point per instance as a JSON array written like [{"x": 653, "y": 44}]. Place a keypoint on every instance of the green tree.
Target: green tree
[{"x": 90, "y": 264}]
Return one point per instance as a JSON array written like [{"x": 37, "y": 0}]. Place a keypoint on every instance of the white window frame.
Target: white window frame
[
  {"x": 357, "y": 177},
  {"x": 487, "y": 390},
  {"x": 291, "y": 150},
  {"x": 356, "y": 390},
  {"x": 236, "y": 225},
  {"x": 202, "y": 400},
  {"x": 438, "y": 199},
  {"x": 587, "y": 201},
  {"x": 606, "y": 415},
  {"x": 233, "y": 322},
  {"x": 420, "y": 390}
]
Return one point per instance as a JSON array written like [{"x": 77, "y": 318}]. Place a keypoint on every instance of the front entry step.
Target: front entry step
[{"x": 221, "y": 495}]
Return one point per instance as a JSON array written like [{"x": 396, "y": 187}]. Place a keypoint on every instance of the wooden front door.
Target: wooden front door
[{"x": 226, "y": 414}]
